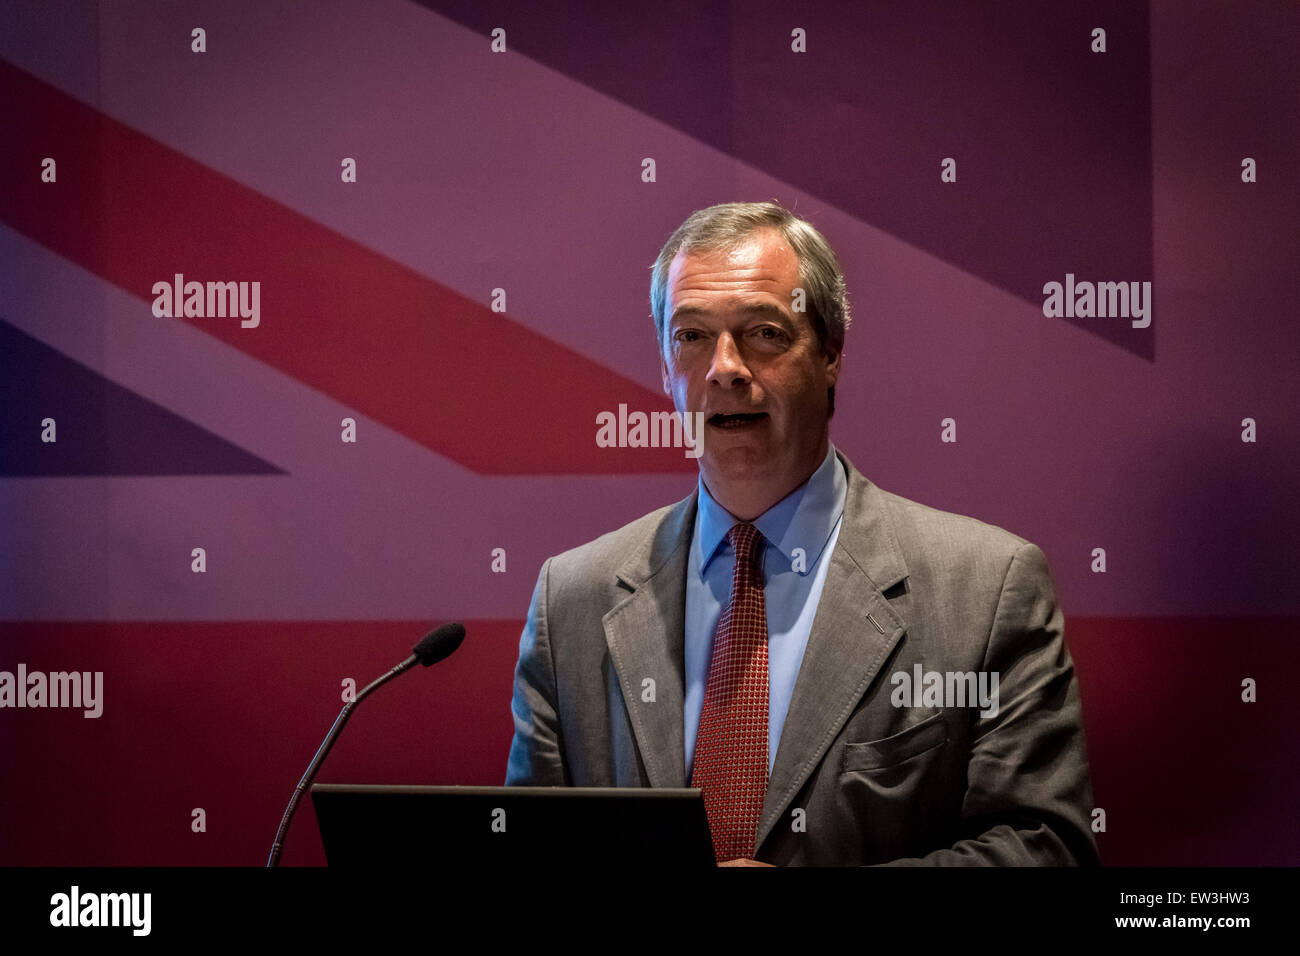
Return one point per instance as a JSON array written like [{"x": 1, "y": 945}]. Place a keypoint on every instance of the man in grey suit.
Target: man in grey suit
[{"x": 851, "y": 677}]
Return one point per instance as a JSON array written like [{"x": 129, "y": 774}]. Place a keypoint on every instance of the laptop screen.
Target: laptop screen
[{"x": 403, "y": 826}]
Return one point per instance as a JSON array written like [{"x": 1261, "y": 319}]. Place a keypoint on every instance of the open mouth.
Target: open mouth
[{"x": 736, "y": 421}]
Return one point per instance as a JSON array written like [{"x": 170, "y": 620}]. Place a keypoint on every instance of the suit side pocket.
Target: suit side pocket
[{"x": 890, "y": 751}]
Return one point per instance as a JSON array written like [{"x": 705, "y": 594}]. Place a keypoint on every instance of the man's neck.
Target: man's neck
[{"x": 746, "y": 502}]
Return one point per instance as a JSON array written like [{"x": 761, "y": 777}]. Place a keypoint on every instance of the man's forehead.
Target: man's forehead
[
  {"x": 762, "y": 265},
  {"x": 764, "y": 248}
]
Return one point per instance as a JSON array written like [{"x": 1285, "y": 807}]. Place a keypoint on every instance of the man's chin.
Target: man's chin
[{"x": 737, "y": 461}]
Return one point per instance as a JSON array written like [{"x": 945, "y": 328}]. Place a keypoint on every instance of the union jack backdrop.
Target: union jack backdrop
[{"x": 308, "y": 311}]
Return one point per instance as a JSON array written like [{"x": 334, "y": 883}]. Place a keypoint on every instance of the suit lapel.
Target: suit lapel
[
  {"x": 853, "y": 632},
  {"x": 646, "y": 638}
]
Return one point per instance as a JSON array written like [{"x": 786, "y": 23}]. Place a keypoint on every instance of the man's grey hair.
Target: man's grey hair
[{"x": 728, "y": 225}]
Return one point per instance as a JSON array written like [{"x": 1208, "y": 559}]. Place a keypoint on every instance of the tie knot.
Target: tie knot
[{"x": 747, "y": 542}]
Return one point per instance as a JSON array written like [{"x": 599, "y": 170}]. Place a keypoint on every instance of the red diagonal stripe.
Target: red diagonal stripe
[{"x": 440, "y": 369}]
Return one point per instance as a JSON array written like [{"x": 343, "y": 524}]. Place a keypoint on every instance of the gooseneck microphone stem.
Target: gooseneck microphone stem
[
  {"x": 323, "y": 752},
  {"x": 435, "y": 647}
]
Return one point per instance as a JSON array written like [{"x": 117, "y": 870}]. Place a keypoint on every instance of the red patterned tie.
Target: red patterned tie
[{"x": 731, "y": 748}]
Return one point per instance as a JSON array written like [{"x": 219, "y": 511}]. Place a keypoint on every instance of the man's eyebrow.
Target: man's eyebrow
[{"x": 768, "y": 309}]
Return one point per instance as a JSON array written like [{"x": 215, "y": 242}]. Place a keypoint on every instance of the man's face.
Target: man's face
[{"x": 735, "y": 350}]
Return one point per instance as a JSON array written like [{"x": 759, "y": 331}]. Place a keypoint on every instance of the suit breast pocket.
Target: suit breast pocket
[{"x": 891, "y": 751}]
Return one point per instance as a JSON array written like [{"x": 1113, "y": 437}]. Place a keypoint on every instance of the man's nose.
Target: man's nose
[{"x": 728, "y": 367}]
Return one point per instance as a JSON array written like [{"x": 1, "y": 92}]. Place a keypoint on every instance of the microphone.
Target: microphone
[{"x": 437, "y": 645}]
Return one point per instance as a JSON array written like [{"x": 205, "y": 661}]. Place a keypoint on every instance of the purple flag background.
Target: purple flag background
[{"x": 522, "y": 171}]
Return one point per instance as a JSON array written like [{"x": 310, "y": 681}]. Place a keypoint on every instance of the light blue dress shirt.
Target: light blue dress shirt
[{"x": 809, "y": 519}]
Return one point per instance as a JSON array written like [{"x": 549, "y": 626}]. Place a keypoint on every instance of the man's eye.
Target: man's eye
[
  {"x": 770, "y": 333},
  {"x": 687, "y": 335}
]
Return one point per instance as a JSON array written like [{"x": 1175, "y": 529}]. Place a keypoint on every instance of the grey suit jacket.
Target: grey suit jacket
[{"x": 856, "y": 780}]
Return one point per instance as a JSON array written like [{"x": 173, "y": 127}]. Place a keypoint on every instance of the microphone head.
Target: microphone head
[{"x": 439, "y": 644}]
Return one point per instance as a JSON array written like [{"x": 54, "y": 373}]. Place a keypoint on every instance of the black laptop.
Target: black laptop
[{"x": 387, "y": 826}]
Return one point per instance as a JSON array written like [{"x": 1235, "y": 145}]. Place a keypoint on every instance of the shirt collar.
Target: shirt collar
[{"x": 803, "y": 519}]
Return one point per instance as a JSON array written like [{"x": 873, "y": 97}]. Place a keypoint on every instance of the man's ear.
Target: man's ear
[
  {"x": 833, "y": 367},
  {"x": 663, "y": 375}
]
